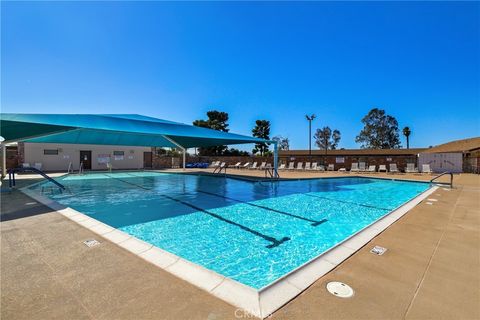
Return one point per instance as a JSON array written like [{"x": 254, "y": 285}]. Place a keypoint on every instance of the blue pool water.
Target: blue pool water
[{"x": 253, "y": 232}]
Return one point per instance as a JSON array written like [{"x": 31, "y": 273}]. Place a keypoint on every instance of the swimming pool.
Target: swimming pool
[{"x": 251, "y": 232}]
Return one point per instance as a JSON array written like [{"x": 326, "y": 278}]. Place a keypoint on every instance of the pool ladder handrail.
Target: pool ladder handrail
[
  {"x": 80, "y": 169},
  {"x": 70, "y": 168},
  {"x": 441, "y": 175},
  {"x": 11, "y": 176}
]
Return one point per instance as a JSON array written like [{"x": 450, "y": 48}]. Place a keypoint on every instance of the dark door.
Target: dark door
[
  {"x": 86, "y": 159},
  {"x": 147, "y": 159}
]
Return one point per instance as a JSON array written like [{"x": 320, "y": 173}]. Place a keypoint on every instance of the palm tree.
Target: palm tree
[{"x": 406, "y": 132}]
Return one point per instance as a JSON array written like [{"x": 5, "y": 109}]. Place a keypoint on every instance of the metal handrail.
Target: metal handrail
[
  {"x": 70, "y": 168},
  {"x": 442, "y": 174},
  {"x": 11, "y": 176},
  {"x": 80, "y": 169}
]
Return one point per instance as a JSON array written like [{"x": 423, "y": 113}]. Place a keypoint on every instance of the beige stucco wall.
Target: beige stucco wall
[{"x": 133, "y": 156}]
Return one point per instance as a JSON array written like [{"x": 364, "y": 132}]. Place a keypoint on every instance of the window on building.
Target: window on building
[
  {"x": 50, "y": 152},
  {"x": 118, "y": 153}
]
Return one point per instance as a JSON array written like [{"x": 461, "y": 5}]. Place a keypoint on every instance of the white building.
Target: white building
[{"x": 57, "y": 157}]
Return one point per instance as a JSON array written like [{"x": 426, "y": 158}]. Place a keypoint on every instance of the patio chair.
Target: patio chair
[
  {"x": 354, "y": 167},
  {"x": 314, "y": 166},
  {"x": 372, "y": 169},
  {"x": 214, "y": 164},
  {"x": 262, "y": 166},
  {"x": 426, "y": 168},
  {"x": 393, "y": 168},
  {"x": 237, "y": 165},
  {"x": 282, "y": 167},
  {"x": 299, "y": 166},
  {"x": 307, "y": 166},
  {"x": 245, "y": 166},
  {"x": 291, "y": 166},
  {"x": 362, "y": 167},
  {"x": 382, "y": 168},
  {"x": 26, "y": 165},
  {"x": 253, "y": 166},
  {"x": 38, "y": 165},
  {"x": 321, "y": 168},
  {"x": 411, "y": 168},
  {"x": 331, "y": 167}
]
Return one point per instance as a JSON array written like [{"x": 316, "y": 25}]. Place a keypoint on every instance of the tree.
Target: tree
[
  {"x": 326, "y": 139},
  {"x": 283, "y": 143},
  {"x": 406, "y": 132},
  {"x": 217, "y": 120},
  {"x": 235, "y": 152},
  {"x": 380, "y": 131},
  {"x": 262, "y": 131}
]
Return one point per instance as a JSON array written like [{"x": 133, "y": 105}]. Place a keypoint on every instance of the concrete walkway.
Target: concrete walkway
[{"x": 430, "y": 270}]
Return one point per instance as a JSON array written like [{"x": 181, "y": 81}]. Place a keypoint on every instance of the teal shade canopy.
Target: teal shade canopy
[{"x": 112, "y": 129}]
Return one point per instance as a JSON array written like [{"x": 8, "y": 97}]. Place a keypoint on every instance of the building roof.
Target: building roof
[
  {"x": 354, "y": 152},
  {"x": 464, "y": 145},
  {"x": 107, "y": 129}
]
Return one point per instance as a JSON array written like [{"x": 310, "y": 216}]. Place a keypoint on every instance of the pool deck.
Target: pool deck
[{"x": 430, "y": 270}]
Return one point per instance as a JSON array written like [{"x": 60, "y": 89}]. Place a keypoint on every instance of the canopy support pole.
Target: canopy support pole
[
  {"x": 275, "y": 159},
  {"x": 184, "y": 150},
  {"x": 4, "y": 160}
]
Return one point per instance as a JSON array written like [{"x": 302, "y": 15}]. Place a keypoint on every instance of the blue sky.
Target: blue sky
[{"x": 258, "y": 60}]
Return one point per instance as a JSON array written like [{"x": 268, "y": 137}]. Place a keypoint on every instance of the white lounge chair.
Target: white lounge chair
[
  {"x": 246, "y": 165},
  {"x": 299, "y": 166},
  {"x": 281, "y": 167},
  {"x": 321, "y": 168},
  {"x": 314, "y": 166},
  {"x": 382, "y": 168},
  {"x": 253, "y": 166},
  {"x": 372, "y": 169},
  {"x": 262, "y": 166},
  {"x": 214, "y": 164},
  {"x": 426, "y": 168},
  {"x": 362, "y": 167},
  {"x": 307, "y": 166},
  {"x": 331, "y": 167},
  {"x": 38, "y": 165},
  {"x": 393, "y": 168},
  {"x": 291, "y": 166},
  {"x": 411, "y": 168},
  {"x": 354, "y": 167},
  {"x": 237, "y": 165},
  {"x": 26, "y": 165}
]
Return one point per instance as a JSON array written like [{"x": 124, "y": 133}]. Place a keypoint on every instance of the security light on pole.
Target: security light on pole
[{"x": 310, "y": 119}]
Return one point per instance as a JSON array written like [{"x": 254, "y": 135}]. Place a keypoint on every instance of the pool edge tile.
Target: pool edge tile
[
  {"x": 135, "y": 245},
  {"x": 195, "y": 274},
  {"x": 239, "y": 295},
  {"x": 159, "y": 257}
]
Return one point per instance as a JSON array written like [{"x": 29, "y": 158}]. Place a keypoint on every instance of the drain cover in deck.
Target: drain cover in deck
[
  {"x": 340, "y": 289},
  {"x": 378, "y": 250},
  {"x": 91, "y": 243}
]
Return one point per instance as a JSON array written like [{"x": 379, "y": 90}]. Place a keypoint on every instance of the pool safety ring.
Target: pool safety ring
[{"x": 340, "y": 289}]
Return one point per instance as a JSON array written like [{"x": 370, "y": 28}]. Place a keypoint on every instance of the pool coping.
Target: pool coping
[{"x": 262, "y": 302}]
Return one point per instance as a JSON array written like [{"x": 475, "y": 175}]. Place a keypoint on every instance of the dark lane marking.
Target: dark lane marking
[
  {"x": 314, "y": 222},
  {"x": 274, "y": 241},
  {"x": 347, "y": 202},
  {"x": 132, "y": 184}
]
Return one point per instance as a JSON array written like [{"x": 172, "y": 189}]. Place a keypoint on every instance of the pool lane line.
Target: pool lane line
[
  {"x": 313, "y": 222},
  {"x": 274, "y": 241},
  {"x": 132, "y": 184},
  {"x": 347, "y": 202}
]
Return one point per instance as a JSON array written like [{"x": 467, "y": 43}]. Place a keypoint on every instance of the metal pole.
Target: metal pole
[
  {"x": 184, "y": 157},
  {"x": 309, "y": 137},
  {"x": 275, "y": 159},
  {"x": 4, "y": 160}
]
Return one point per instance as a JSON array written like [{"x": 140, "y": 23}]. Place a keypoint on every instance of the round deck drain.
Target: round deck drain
[{"x": 340, "y": 289}]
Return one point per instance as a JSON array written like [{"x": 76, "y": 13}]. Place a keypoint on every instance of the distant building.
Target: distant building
[
  {"x": 455, "y": 156},
  {"x": 343, "y": 158},
  {"x": 58, "y": 157}
]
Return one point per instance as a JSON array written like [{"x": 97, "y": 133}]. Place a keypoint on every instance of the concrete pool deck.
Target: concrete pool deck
[{"x": 429, "y": 271}]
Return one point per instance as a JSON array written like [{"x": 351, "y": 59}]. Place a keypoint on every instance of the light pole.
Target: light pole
[{"x": 310, "y": 119}]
